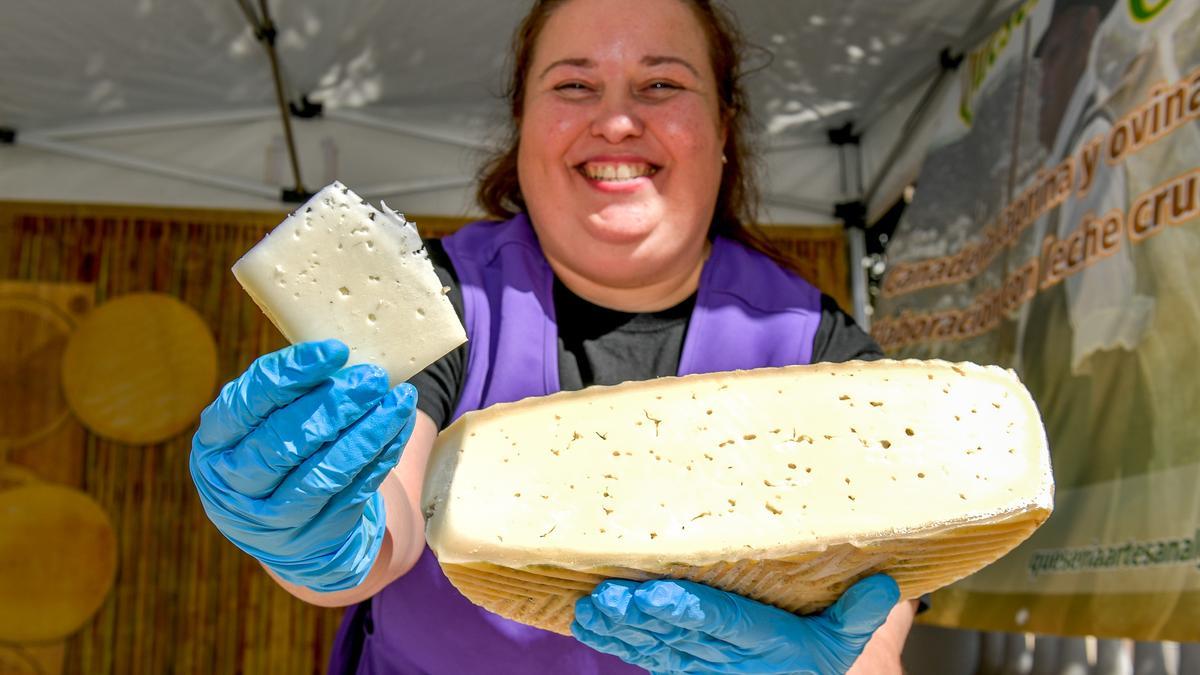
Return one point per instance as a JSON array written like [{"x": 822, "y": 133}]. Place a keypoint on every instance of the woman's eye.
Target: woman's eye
[
  {"x": 571, "y": 87},
  {"x": 660, "y": 89}
]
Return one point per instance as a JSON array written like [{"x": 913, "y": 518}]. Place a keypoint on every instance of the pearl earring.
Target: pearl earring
[{"x": 724, "y": 159}]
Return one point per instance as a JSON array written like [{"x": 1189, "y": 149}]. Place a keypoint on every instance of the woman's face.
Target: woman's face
[{"x": 621, "y": 139}]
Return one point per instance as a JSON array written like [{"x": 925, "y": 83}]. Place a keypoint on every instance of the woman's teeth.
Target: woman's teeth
[{"x": 617, "y": 172}]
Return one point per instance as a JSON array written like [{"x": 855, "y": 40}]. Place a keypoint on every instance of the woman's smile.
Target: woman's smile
[{"x": 617, "y": 174}]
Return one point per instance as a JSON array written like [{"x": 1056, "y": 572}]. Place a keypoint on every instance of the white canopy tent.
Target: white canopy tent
[{"x": 174, "y": 102}]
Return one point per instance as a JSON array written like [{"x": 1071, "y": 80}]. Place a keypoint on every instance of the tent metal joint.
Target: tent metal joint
[
  {"x": 266, "y": 34},
  {"x": 844, "y": 135},
  {"x": 949, "y": 60},
  {"x": 293, "y": 196},
  {"x": 305, "y": 108},
  {"x": 853, "y": 214}
]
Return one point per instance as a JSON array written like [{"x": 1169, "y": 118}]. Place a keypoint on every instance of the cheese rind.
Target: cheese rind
[
  {"x": 688, "y": 476},
  {"x": 339, "y": 268}
]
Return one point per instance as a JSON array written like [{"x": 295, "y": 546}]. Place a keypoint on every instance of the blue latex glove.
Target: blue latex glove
[
  {"x": 670, "y": 626},
  {"x": 289, "y": 458}
]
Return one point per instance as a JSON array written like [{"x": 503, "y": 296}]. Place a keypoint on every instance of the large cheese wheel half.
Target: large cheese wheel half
[{"x": 785, "y": 485}]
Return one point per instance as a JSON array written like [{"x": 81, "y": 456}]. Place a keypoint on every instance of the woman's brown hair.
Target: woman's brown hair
[{"x": 499, "y": 191}]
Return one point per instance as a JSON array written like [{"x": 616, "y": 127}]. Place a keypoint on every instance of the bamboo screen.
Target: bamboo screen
[{"x": 183, "y": 598}]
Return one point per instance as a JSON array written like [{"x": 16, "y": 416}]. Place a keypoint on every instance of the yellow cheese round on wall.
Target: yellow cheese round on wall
[
  {"x": 58, "y": 561},
  {"x": 33, "y": 337},
  {"x": 140, "y": 368},
  {"x": 15, "y": 662},
  {"x": 12, "y": 476}
]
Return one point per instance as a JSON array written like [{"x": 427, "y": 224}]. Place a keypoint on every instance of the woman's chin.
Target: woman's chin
[{"x": 620, "y": 226}]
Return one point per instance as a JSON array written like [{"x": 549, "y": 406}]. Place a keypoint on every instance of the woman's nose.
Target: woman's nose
[{"x": 617, "y": 119}]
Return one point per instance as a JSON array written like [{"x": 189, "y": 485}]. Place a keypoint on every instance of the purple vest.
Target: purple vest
[{"x": 749, "y": 313}]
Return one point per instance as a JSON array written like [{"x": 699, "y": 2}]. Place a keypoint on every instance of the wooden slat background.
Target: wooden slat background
[{"x": 185, "y": 600}]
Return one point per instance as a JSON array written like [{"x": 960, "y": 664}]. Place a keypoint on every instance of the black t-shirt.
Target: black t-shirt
[{"x": 603, "y": 346}]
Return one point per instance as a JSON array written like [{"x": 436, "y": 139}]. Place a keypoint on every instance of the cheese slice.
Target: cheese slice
[
  {"x": 339, "y": 268},
  {"x": 784, "y": 484}
]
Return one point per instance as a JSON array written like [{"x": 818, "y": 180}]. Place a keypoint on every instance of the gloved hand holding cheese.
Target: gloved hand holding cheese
[
  {"x": 784, "y": 485},
  {"x": 339, "y": 268},
  {"x": 289, "y": 458}
]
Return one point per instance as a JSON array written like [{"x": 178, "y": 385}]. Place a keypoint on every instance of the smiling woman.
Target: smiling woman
[
  {"x": 621, "y": 251},
  {"x": 688, "y": 48}
]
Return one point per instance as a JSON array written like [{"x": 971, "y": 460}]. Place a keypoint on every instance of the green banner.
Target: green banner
[{"x": 1055, "y": 230}]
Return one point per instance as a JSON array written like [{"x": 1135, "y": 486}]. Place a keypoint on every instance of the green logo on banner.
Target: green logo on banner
[{"x": 1145, "y": 10}]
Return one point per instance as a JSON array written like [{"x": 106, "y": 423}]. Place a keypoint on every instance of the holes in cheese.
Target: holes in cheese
[
  {"x": 735, "y": 470},
  {"x": 352, "y": 272}
]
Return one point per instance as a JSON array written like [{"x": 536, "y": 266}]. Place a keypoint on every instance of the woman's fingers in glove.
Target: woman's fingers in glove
[
  {"x": 367, "y": 482},
  {"x": 612, "y": 645},
  {"x": 337, "y": 466},
  {"x": 682, "y": 626},
  {"x": 864, "y": 607},
  {"x": 600, "y": 627},
  {"x": 657, "y": 657},
  {"x": 271, "y": 382},
  {"x": 619, "y": 615},
  {"x": 588, "y": 618},
  {"x": 255, "y": 466},
  {"x": 732, "y": 619}
]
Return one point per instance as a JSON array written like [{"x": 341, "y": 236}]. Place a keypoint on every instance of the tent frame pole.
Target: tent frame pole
[
  {"x": 796, "y": 144},
  {"x": 265, "y": 33},
  {"x": 154, "y": 124},
  {"x": 856, "y": 238},
  {"x": 949, "y": 63},
  {"x": 149, "y": 166},
  {"x": 979, "y": 28},
  {"x": 775, "y": 199},
  {"x": 416, "y": 186},
  {"x": 372, "y": 122},
  {"x": 853, "y": 214}
]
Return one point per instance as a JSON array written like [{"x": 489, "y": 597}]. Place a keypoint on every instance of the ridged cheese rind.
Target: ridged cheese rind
[
  {"x": 740, "y": 471},
  {"x": 339, "y": 268}
]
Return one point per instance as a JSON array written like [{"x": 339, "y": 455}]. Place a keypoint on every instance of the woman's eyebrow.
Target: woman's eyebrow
[
  {"x": 577, "y": 62},
  {"x": 660, "y": 60},
  {"x": 652, "y": 60}
]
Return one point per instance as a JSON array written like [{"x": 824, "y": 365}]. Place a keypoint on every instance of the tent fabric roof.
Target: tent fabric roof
[{"x": 405, "y": 79}]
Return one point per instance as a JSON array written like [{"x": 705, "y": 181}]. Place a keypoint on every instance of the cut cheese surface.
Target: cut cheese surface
[
  {"x": 784, "y": 484},
  {"x": 339, "y": 268}
]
